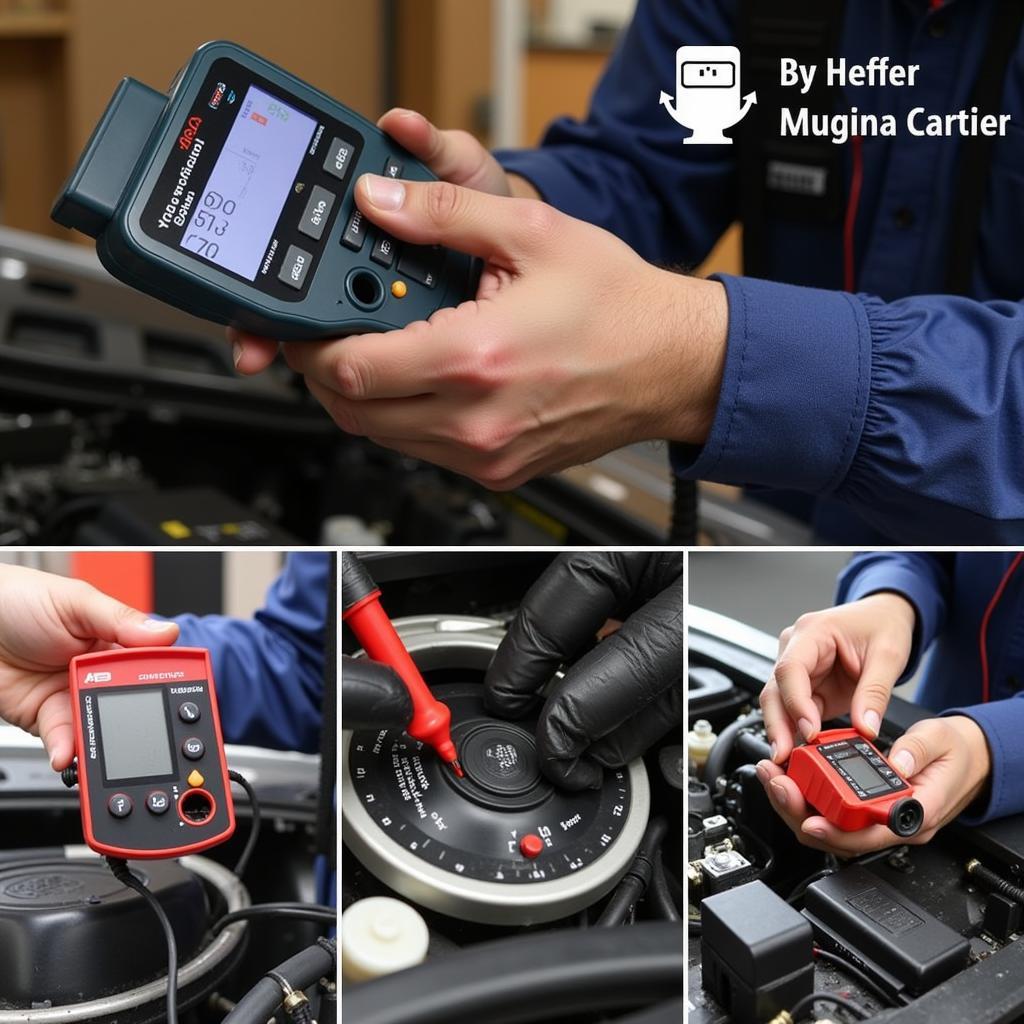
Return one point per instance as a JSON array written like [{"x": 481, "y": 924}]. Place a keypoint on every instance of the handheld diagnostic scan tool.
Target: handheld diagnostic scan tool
[
  {"x": 850, "y": 783},
  {"x": 152, "y": 777},
  {"x": 231, "y": 198}
]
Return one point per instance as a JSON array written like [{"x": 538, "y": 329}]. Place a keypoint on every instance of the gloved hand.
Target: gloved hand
[
  {"x": 373, "y": 696},
  {"x": 46, "y": 620},
  {"x": 616, "y": 698}
]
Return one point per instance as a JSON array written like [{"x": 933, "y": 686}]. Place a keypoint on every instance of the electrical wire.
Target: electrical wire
[
  {"x": 120, "y": 870},
  {"x": 254, "y": 828},
  {"x": 983, "y": 631},
  {"x": 298, "y": 911},
  {"x": 855, "y": 972},
  {"x": 637, "y": 879},
  {"x": 804, "y": 1006}
]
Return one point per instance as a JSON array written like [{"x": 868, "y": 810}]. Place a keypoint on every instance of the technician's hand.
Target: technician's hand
[
  {"x": 454, "y": 156},
  {"x": 45, "y": 621},
  {"x": 616, "y": 698},
  {"x": 373, "y": 696},
  {"x": 843, "y": 659},
  {"x": 573, "y": 347},
  {"x": 947, "y": 761}
]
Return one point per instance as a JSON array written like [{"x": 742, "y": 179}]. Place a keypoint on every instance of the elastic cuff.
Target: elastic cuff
[{"x": 794, "y": 391}]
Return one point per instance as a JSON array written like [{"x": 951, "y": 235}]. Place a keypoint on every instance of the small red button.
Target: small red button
[{"x": 531, "y": 846}]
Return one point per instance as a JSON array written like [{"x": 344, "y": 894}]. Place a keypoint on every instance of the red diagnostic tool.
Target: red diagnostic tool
[
  {"x": 362, "y": 611},
  {"x": 850, "y": 783},
  {"x": 151, "y": 770}
]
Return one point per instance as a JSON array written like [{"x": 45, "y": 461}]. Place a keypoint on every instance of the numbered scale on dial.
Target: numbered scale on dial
[{"x": 501, "y": 845}]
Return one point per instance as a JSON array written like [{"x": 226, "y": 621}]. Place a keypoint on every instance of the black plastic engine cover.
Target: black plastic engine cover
[{"x": 70, "y": 932}]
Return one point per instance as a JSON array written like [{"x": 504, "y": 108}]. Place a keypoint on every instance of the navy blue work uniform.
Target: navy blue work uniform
[
  {"x": 902, "y": 405},
  {"x": 270, "y": 668},
  {"x": 950, "y": 593}
]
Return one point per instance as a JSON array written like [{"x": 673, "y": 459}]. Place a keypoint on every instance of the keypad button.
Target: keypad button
[
  {"x": 318, "y": 210},
  {"x": 157, "y": 802},
  {"x": 393, "y": 168},
  {"x": 193, "y": 748},
  {"x": 383, "y": 251},
  {"x": 295, "y": 267},
  {"x": 355, "y": 231},
  {"x": 422, "y": 263},
  {"x": 195, "y": 778},
  {"x": 189, "y": 712},
  {"x": 339, "y": 158},
  {"x": 120, "y": 805}
]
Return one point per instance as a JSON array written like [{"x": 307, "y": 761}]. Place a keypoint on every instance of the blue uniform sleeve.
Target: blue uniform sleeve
[
  {"x": 625, "y": 167},
  {"x": 904, "y": 410},
  {"x": 923, "y": 579},
  {"x": 269, "y": 670},
  {"x": 1002, "y": 722}
]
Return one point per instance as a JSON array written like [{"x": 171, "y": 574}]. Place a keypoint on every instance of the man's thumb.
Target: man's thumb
[
  {"x": 495, "y": 228},
  {"x": 914, "y": 750},
  {"x": 97, "y": 616}
]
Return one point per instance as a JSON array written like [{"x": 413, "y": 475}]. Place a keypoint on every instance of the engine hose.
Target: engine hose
[
  {"x": 664, "y": 1013},
  {"x": 685, "y": 513},
  {"x": 637, "y": 878},
  {"x": 260, "y": 1003},
  {"x": 719, "y": 754},
  {"x": 534, "y": 977},
  {"x": 659, "y": 895},
  {"x": 995, "y": 882}
]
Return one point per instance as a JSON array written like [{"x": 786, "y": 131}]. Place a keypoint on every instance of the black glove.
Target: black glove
[
  {"x": 373, "y": 696},
  {"x": 620, "y": 696}
]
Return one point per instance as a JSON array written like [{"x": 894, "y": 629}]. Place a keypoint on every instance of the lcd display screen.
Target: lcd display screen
[
  {"x": 133, "y": 728},
  {"x": 863, "y": 774},
  {"x": 243, "y": 198}
]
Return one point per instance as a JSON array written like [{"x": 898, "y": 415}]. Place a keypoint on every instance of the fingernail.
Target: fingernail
[
  {"x": 762, "y": 771},
  {"x": 775, "y": 751},
  {"x": 806, "y": 729},
  {"x": 872, "y": 721},
  {"x": 780, "y": 793},
  {"x": 384, "y": 193},
  {"x": 237, "y": 351},
  {"x": 157, "y": 625},
  {"x": 815, "y": 830},
  {"x": 903, "y": 762},
  {"x": 53, "y": 758}
]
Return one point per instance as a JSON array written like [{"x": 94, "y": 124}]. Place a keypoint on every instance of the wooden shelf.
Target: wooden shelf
[{"x": 34, "y": 24}]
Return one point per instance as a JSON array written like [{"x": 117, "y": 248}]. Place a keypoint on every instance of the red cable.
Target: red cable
[
  {"x": 856, "y": 180},
  {"x": 983, "y": 633}
]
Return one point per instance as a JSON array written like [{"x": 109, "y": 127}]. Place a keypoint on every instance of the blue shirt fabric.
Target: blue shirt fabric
[
  {"x": 903, "y": 406},
  {"x": 950, "y": 593},
  {"x": 270, "y": 668}
]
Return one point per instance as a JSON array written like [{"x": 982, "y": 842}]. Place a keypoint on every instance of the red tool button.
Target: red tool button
[{"x": 531, "y": 846}]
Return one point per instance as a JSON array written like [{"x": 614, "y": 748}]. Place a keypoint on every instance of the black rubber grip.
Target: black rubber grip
[{"x": 356, "y": 581}]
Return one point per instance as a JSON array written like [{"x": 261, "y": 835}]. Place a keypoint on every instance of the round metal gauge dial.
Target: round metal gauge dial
[{"x": 501, "y": 845}]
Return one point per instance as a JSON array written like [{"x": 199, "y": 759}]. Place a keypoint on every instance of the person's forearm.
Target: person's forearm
[{"x": 902, "y": 409}]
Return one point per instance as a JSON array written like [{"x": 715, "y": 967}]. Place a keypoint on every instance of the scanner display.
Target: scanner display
[
  {"x": 138, "y": 722},
  {"x": 249, "y": 183}
]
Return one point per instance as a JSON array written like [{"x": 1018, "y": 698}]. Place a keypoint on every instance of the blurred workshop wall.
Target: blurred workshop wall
[
  {"x": 444, "y": 68},
  {"x": 167, "y": 582},
  {"x": 61, "y": 59}
]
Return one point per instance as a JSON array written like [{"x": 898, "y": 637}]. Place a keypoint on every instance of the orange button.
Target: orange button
[
  {"x": 195, "y": 779},
  {"x": 531, "y": 846},
  {"x": 399, "y": 289}
]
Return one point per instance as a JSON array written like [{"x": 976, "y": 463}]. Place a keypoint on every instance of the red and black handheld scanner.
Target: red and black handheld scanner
[
  {"x": 152, "y": 776},
  {"x": 847, "y": 781}
]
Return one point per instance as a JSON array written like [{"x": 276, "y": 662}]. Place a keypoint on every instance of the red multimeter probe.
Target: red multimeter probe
[
  {"x": 850, "y": 783},
  {"x": 152, "y": 775},
  {"x": 362, "y": 611}
]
